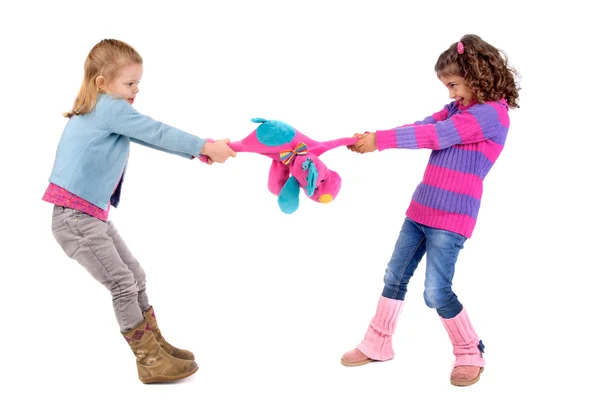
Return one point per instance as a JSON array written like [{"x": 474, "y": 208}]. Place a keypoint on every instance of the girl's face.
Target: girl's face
[
  {"x": 458, "y": 88},
  {"x": 125, "y": 84}
]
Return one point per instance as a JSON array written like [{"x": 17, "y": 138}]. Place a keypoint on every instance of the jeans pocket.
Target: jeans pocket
[{"x": 65, "y": 238}]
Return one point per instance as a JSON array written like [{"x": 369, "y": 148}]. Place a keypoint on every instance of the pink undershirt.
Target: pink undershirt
[{"x": 61, "y": 197}]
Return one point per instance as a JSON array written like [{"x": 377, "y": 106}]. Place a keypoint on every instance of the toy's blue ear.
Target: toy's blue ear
[
  {"x": 313, "y": 176},
  {"x": 273, "y": 132},
  {"x": 289, "y": 197}
]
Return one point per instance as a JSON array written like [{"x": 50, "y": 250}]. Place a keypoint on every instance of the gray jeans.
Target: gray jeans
[{"x": 98, "y": 247}]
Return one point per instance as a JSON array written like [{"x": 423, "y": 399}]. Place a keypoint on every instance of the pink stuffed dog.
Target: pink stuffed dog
[{"x": 295, "y": 164}]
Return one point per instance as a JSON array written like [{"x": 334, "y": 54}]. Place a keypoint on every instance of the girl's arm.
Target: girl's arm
[
  {"x": 123, "y": 119},
  {"x": 478, "y": 123},
  {"x": 135, "y": 140}
]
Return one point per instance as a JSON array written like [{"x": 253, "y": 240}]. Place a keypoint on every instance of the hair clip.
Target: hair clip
[{"x": 460, "y": 47}]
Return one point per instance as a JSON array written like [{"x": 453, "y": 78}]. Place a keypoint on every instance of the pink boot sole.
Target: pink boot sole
[
  {"x": 355, "y": 358},
  {"x": 463, "y": 376}
]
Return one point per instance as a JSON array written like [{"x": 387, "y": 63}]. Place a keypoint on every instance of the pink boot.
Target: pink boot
[
  {"x": 468, "y": 350},
  {"x": 377, "y": 344}
]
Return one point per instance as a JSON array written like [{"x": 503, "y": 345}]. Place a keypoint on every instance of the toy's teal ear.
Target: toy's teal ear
[
  {"x": 273, "y": 132},
  {"x": 289, "y": 197},
  {"x": 313, "y": 176}
]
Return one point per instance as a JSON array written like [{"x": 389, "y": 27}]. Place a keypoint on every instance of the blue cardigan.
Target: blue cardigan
[{"x": 94, "y": 148}]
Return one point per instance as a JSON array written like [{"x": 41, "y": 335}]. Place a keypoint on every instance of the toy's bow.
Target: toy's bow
[{"x": 286, "y": 156}]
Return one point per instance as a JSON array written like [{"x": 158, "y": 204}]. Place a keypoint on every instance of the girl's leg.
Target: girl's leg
[
  {"x": 442, "y": 253},
  {"x": 467, "y": 348},
  {"x": 377, "y": 343},
  {"x": 147, "y": 309},
  {"x": 408, "y": 252},
  {"x": 133, "y": 265},
  {"x": 85, "y": 239}
]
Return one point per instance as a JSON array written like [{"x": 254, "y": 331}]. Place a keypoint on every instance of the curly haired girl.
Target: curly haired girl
[{"x": 466, "y": 137}]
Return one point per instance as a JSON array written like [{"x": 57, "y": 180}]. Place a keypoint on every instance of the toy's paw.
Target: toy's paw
[
  {"x": 288, "y": 205},
  {"x": 289, "y": 197},
  {"x": 273, "y": 132}
]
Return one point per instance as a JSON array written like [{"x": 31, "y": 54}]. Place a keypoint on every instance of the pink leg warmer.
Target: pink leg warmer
[
  {"x": 467, "y": 347},
  {"x": 377, "y": 343}
]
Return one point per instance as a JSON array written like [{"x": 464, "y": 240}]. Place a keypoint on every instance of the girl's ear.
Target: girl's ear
[
  {"x": 313, "y": 176},
  {"x": 100, "y": 82}
]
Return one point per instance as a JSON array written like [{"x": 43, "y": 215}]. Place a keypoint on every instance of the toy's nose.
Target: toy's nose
[{"x": 325, "y": 198}]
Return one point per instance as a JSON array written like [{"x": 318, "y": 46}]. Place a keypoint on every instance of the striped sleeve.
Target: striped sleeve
[
  {"x": 480, "y": 122},
  {"x": 432, "y": 119}
]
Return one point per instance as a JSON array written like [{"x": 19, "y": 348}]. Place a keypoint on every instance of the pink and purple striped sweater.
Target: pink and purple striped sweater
[{"x": 465, "y": 143}]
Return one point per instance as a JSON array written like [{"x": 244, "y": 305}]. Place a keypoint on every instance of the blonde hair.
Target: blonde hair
[{"x": 105, "y": 59}]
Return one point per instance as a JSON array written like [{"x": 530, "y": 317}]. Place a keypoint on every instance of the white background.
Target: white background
[{"x": 269, "y": 302}]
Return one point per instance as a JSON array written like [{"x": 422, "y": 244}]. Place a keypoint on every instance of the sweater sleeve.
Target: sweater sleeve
[
  {"x": 135, "y": 140},
  {"x": 121, "y": 118},
  {"x": 432, "y": 119},
  {"x": 438, "y": 131}
]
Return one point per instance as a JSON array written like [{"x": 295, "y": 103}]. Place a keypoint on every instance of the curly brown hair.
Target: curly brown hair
[{"x": 484, "y": 67}]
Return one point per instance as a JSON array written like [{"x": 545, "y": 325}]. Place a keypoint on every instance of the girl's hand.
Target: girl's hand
[
  {"x": 353, "y": 147},
  {"x": 367, "y": 143},
  {"x": 217, "y": 151}
]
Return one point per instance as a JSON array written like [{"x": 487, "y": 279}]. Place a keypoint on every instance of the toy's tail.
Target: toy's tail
[
  {"x": 240, "y": 146},
  {"x": 328, "y": 145}
]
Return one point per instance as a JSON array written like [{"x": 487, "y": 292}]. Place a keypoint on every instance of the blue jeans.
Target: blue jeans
[{"x": 442, "y": 249}]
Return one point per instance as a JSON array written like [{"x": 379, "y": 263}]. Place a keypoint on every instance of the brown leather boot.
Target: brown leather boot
[
  {"x": 171, "y": 350},
  {"x": 154, "y": 365}
]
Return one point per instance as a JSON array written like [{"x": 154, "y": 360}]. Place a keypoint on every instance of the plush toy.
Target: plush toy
[{"x": 295, "y": 164}]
